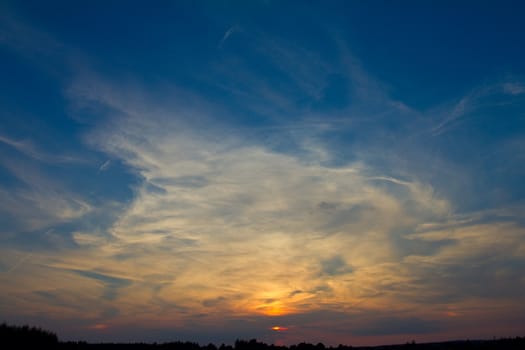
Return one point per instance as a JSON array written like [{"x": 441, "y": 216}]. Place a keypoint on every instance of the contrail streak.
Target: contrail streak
[{"x": 25, "y": 257}]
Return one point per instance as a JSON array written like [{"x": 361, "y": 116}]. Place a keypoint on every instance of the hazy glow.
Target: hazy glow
[{"x": 100, "y": 326}]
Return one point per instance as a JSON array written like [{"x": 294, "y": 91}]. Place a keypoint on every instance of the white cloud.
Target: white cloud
[
  {"x": 27, "y": 147},
  {"x": 475, "y": 100},
  {"x": 224, "y": 224},
  {"x": 215, "y": 211},
  {"x": 228, "y": 33},
  {"x": 105, "y": 166},
  {"x": 514, "y": 88},
  {"x": 39, "y": 202}
]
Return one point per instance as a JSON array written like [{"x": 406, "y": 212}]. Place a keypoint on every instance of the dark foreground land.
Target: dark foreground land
[{"x": 13, "y": 337}]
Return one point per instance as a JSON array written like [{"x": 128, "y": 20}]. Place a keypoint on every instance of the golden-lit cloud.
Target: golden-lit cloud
[
  {"x": 222, "y": 227},
  {"x": 274, "y": 228}
]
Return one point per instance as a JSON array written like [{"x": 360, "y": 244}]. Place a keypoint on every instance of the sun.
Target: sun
[{"x": 279, "y": 328}]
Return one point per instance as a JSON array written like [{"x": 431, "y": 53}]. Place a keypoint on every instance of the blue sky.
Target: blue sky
[{"x": 348, "y": 170}]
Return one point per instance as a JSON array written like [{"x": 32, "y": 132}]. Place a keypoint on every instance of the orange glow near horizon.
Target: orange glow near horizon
[
  {"x": 274, "y": 311},
  {"x": 99, "y": 326},
  {"x": 273, "y": 308},
  {"x": 279, "y": 328}
]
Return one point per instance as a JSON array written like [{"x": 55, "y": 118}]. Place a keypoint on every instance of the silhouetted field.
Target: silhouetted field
[{"x": 15, "y": 337}]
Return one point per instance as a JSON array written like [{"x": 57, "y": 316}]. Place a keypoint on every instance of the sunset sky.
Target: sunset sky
[{"x": 322, "y": 171}]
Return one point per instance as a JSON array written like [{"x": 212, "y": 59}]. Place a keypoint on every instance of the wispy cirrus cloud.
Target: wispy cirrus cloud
[
  {"x": 304, "y": 214},
  {"x": 28, "y": 148},
  {"x": 38, "y": 202},
  {"x": 249, "y": 198},
  {"x": 477, "y": 100},
  {"x": 228, "y": 33},
  {"x": 21, "y": 36},
  {"x": 245, "y": 203},
  {"x": 326, "y": 227},
  {"x": 104, "y": 166},
  {"x": 514, "y": 88}
]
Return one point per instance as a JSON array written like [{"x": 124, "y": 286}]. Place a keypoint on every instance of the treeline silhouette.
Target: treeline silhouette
[
  {"x": 21, "y": 337},
  {"x": 26, "y": 336}
]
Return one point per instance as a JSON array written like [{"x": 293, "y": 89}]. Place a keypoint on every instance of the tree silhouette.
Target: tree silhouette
[
  {"x": 21, "y": 337},
  {"x": 25, "y": 336}
]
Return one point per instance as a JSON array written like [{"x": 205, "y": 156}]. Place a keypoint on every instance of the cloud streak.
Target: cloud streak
[
  {"x": 227, "y": 34},
  {"x": 27, "y": 148}
]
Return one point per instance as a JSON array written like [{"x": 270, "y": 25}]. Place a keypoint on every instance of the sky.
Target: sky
[{"x": 349, "y": 171}]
